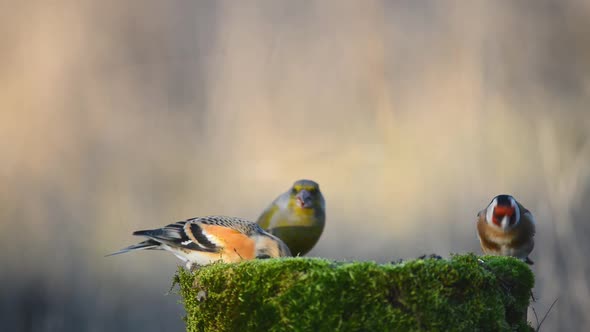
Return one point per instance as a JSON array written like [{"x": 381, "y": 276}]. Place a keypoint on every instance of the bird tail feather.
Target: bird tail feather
[{"x": 145, "y": 245}]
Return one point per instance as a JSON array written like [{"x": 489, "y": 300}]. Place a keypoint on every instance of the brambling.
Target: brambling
[{"x": 204, "y": 240}]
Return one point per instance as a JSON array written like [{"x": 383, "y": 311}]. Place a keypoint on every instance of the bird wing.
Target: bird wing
[
  {"x": 233, "y": 241},
  {"x": 530, "y": 221},
  {"x": 238, "y": 224},
  {"x": 183, "y": 234},
  {"x": 268, "y": 216}
]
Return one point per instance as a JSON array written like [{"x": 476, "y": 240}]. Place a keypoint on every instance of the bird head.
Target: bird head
[
  {"x": 503, "y": 212},
  {"x": 270, "y": 246},
  {"x": 306, "y": 194}
]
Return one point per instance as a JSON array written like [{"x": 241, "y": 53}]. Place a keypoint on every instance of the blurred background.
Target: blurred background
[{"x": 412, "y": 115}]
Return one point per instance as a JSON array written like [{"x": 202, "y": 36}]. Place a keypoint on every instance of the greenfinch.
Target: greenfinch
[{"x": 297, "y": 216}]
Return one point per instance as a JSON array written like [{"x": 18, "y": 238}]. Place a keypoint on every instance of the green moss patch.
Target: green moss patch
[{"x": 464, "y": 293}]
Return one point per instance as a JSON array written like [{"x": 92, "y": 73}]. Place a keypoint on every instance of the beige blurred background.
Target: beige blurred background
[{"x": 411, "y": 115}]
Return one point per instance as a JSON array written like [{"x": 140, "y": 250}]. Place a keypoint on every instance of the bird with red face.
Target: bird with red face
[{"x": 506, "y": 228}]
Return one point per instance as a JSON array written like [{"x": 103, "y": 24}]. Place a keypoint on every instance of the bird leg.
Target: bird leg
[{"x": 192, "y": 267}]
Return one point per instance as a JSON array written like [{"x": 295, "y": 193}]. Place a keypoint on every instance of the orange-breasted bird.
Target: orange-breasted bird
[
  {"x": 204, "y": 240},
  {"x": 297, "y": 216},
  {"x": 506, "y": 228}
]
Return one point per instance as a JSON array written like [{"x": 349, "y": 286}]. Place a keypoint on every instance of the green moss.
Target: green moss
[{"x": 310, "y": 294}]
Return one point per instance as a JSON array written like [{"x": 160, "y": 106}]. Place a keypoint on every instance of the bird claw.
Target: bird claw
[
  {"x": 431, "y": 256},
  {"x": 192, "y": 267}
]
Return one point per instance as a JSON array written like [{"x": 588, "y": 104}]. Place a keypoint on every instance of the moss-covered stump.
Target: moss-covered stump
[{"x": 310, "y": 294}]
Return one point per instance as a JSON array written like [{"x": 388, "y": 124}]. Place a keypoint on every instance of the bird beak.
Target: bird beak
[
  {"x": 506, "y": 212},
  {"x": 505, "y": 222},
  {"x": 304, "y": 199}
]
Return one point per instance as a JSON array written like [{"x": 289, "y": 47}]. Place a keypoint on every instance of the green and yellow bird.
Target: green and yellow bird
[{"x": 297, "y": 216}]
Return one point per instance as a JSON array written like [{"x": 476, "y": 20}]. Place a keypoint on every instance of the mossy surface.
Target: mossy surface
[{"x": 311, "y": 294}]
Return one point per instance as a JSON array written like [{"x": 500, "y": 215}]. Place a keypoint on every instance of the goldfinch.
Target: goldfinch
[
  {"x": 204, "y": 240},
  {"x": 297, "y": 216},
  {"x": 506, "y": 228}
]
